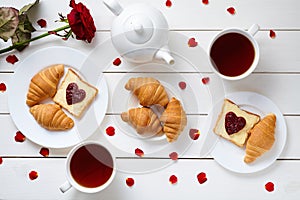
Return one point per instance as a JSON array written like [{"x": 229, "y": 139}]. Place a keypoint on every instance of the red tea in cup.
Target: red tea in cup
[
  {"x": 232, "y": 54},
  {"x": 91, "y": 166}
]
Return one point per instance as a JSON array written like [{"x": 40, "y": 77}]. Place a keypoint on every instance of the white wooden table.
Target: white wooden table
[{"x": 276, "y": 77}]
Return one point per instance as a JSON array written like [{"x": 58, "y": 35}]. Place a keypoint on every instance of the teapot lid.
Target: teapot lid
[{"x": 138, "y": 28}]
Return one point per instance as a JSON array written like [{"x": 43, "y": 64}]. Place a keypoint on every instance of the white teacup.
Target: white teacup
[
  {"x": 234, "y": 53},
  {"x": 90, "y": 168}
]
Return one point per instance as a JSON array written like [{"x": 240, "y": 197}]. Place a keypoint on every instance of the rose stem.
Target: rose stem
[{"x": 33, "y": 39}]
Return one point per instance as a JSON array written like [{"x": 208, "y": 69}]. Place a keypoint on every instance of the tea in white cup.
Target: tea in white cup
[{"x": 234, "y": 53}]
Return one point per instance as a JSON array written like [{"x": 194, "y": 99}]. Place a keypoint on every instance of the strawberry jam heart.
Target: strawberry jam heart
[
  {"x": 234, "y": 124},
  {"x": 74, "y": 94}
]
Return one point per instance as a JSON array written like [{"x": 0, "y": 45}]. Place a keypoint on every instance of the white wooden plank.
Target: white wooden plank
[
  {"x": 220, "y": 184},
  {"x": 277, "y": 55},
  {"x": 271, "y": 85},
  {"x": 187, "y": 15},
  {"x": 186, "y": 147}
]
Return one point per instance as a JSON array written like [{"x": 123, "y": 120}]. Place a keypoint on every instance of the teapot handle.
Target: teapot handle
[{"x": 113, "y": 6}]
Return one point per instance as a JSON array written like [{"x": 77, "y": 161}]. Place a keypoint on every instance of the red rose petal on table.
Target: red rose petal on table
[
  {"x": 2, "y": 87},
  {"x": 173, "y": 179},
  {"x": 272, "y": 34},
  {"x": 110, "y": 131},
  {"x": 19, "y": 137},
  {"x": 1, "y": 160},
  {"x": 173, "y": 155},
  {"x": 42, "y": 23},
  {"x": 205, "y": 80},
  {"x": 194, "y": 133},
  {"x": 269, "y": 186},
  {"x": 33, "y": 175},
  {"x": 117, "y": 62},
  {"x": 130, "y": 182},
  {"x": 205, "y": 2},
  {"x": 139, "y": 152},
  {"x": 192, "y": 42},
  {"x": 168, "y": 3},
  {"x": 231, "y": 10},
  {"x": 12, "y": 59},
  {"x": 182, "y": 85},
  {"x": 44, "y": 152},
  {"x": 201, "y": 178}
]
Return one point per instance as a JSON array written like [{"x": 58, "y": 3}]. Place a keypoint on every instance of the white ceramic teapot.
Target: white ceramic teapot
[{"x": 140, "y": 32}]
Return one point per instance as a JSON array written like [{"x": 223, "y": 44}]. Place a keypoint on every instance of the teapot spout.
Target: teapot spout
[
  {"x": 164, "y": 54},
  {"x": 113, "y": 6}
]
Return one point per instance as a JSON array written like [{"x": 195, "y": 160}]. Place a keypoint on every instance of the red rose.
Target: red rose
[{"x": 81, "y": 22}]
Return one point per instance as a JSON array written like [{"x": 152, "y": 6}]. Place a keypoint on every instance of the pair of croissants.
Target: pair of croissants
[
  {"x": 43, "y": 85},
  {"x": 151, "y": 92},
  {"x": 261, "y": 138}
]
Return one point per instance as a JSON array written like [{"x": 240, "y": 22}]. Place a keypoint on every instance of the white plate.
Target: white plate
[
  {"x": 84, "y": 127},
  {"x": 231, "y": 156}
]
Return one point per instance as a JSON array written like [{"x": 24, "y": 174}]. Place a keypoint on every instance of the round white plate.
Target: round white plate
[
  {"x": 231, "y": 156},
  {"x": 84, "y": 127}
]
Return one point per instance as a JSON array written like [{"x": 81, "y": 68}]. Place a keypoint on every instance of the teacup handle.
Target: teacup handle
[
  {"x": 254, "y": 29},
  {"x": 65, "y": 187}
]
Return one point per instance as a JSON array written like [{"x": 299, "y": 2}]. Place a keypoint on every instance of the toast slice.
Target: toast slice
[
  {"x": 234, "y": 124},
  {"x": 74, "y": 94}
]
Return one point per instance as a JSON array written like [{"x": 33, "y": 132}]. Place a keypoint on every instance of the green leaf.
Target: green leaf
[
  {"x": 20, "y": 36},
  {"x": 24, "y": 24},
  {"x": 8, "y": 22},
  {"x": 28, "y": 7}
]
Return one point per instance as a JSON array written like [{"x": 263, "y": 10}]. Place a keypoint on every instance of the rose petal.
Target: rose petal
[
  {"x": 173, "y": 179},
  {"x": 42, "y": 23},
  {"x": 201, "y": 178},
  {"x": 117, "y": 62},
  {"x": 19, "y": 137},
  {"x": 192, "y": 42},
  {"x": 12, "y": 59},
  {"x": 231, "y": 10},
  {"x": 182, "y": 85},
  {"x": 272, "y": 34},
  {"x": 110, "y": 131},
  {"x": 139, "y": 152},
  {"x": 44, "y": 152},
  {"x": 1, "y": 160},
  {"x": 194, "y": 133},
  {"x": 205, "y": 80},
  {"x": 2, "y": 87},
  {"x": 168, "y": 3},
  {"x": 269, "y": 186},
  {"x": 33, "y": 175},
  {"x": 173, "y": 155},
  {"x": 129, "y": 182},
  {"x": 205, "y": 2}
]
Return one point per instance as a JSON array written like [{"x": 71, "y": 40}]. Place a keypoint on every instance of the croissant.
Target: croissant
[
  {"x": 148, "y": 90},
  {"x": 174, "y": 119},
  {"x": 44, "y": 84},
  {"x": 144, "y": 120},
  {"x": 261, "y": 138},
  {"x": 51, "y": 117}
]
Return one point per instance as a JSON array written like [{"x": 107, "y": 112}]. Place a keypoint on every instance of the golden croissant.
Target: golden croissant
[
  {"x": 261, "y": 138},
  {"x": 148, "y": 90},
  {"x": 144, "y": 120},
  {"x": 174, "y": 119},
  {"x": 51, "y": 117},
  {"x": 44, "y": 84}
]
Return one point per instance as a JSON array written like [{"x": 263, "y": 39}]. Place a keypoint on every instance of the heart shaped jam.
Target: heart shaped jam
[
  {"x": 234, "y": 124},
  {"x": 74, "y": 94}
]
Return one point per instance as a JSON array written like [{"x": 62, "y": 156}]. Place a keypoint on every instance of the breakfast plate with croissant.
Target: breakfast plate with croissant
[
  {"x": 50, "y": 100},
  {"x": 251, "y": 132}
]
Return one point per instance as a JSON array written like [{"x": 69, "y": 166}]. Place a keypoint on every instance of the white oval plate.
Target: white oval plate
[
  {"x": 231, "y": 156},
  {"x": 84, "y": 127}
]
